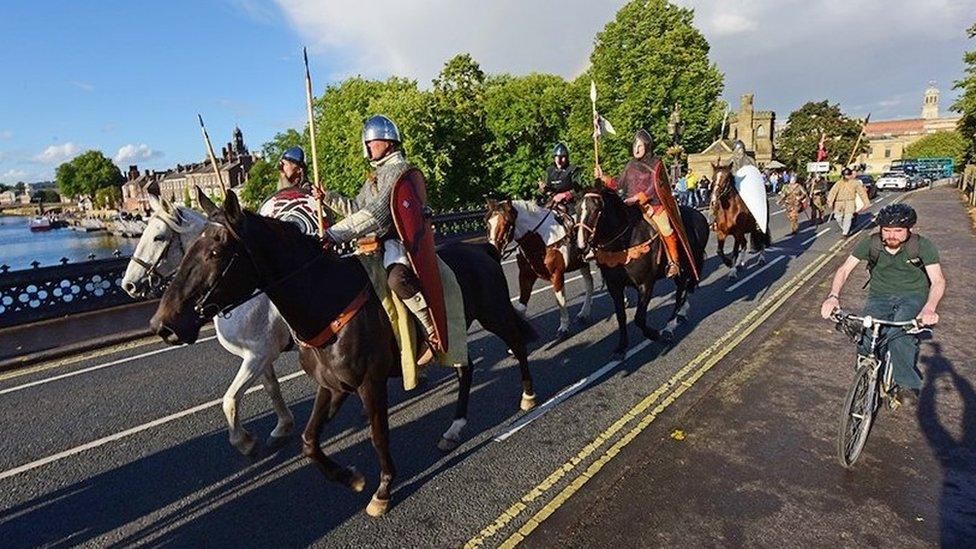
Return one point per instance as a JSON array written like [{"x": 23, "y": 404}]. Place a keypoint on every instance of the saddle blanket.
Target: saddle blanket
[{"x": 404, "y": 327}]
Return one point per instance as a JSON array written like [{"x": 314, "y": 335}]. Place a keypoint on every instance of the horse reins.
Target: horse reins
[{"x": 592, "y": 230}]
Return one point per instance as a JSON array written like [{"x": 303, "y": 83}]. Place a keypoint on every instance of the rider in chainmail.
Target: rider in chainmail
[{"x": 739, "y": 156}]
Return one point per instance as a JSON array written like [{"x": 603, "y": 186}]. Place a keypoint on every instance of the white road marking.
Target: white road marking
[
  {"x": 814, "y": 237},
  {"x": 549, "y": 287},
  {"x": 535, "y": 414},
  {"x": 777, "y": 212},
  {"x": 99, "y": 367},
  {"x": 755, "y": 273}
]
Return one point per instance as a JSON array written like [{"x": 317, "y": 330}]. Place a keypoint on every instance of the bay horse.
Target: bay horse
[
  {"x": 545, "y": 251},
  {"x": 254, "y": 332},
  {"x": 616, "y": 230},
  {"x": 240, "y": 252},
  {"x": 732, "y": 218}
]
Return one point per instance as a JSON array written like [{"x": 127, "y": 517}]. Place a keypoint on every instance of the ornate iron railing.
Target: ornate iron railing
[{"x": 42, "y": 293}]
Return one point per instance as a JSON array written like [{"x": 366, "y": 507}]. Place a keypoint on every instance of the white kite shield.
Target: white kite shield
[{"x": 749, "y": 183}]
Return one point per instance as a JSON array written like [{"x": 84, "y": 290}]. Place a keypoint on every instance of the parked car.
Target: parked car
[
  {"x": 869, "y": 185},
  {"x": 897, "y": 181}
]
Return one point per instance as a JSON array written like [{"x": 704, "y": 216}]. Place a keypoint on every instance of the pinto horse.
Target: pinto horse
[
  {"x": 544, "y": 251},
  {"x": 240, "y": 253},
  {"x": 254, "y": 331},
  {"x": 732, "y": 218},
  {"x": 630, "y": 253}
]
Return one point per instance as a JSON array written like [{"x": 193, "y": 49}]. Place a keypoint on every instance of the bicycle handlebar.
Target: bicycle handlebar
[{"x": 913, "y": 326}]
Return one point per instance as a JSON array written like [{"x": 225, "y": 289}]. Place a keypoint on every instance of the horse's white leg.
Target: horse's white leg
[
  {"x": 744, "y": 257},
  {"x": 584, "y": 314},
  {"x": 563, "y": 312},
  {"x": 734, "y": 269},
  {"x": 285, "y": 418},
  {"x": 251, "y": 367}
]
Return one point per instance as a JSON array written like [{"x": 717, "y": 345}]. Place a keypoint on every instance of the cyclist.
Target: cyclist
[{"x": 905, "y": 283}]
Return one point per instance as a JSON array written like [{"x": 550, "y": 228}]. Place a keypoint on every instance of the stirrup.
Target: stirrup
[{"x": 673, "y": 269}]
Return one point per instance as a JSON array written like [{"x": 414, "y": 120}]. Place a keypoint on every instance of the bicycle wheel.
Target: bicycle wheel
[{"x": 856, "y": 416}]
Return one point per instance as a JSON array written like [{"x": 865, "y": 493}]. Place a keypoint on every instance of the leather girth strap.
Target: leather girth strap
[
  {"x": 333, "y": 328},
  {"x": 623, "y": 257}
]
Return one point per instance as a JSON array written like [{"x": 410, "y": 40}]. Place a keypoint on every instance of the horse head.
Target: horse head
[
  {"x": 500, "y": 218},
  {"x": 215, "y": 274},
  {"x": 722, "y": 180},
  {"x": 161, "y": 247},
  {"x": 600, "y": 211}
]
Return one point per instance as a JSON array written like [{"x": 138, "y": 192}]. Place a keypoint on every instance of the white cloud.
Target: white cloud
[
  {"x": 13, "y": 176},
  {"x": 58, "y": 153},
  {"x": 6, "y": 134},
  {"x": 85, "y": 86},
  {"x": 414, "y": 39},
  {"x": 856, "y": 52},
  {"x": 129, "y": 153}
]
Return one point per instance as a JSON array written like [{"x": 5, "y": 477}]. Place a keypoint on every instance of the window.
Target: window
[{"x": 887, "y": 152}]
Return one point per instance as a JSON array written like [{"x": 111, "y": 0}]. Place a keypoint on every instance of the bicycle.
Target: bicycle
[{"x": 872, "y": 385}]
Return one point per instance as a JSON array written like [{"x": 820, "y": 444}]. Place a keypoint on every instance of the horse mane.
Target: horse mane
[{"x": 285, "y": 232}]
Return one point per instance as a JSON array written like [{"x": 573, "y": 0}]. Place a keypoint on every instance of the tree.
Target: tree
[
  {"x": 459, "y": 133},
  {"x": 47, "y": 196},
  {"x": 797, "y": 144},
  {"x": 107, "y": 198},
  {"x": 526, "y": 116},
  {"x": 86, "y": 174},
  {"x": 966, "y": 103},
  {"x": 649, "y": 58},
  {"x": 940, "y": 145},
  {"x": 262, "y": 178}
]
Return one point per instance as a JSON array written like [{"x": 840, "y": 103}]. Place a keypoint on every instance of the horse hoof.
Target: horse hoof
[
  {"x": 666, "y": 336},
  {"x": 528, "y": 402},
  {"x": 761, "y": 262},
  {"x": 377, "y": 507},
  {"x": 356, "y": 481},
  {"x": 276, "y": 441},
  {"x": 247, "y": 445},
  {"x": 447, "y": 445},
  {"x": 562, "y": 334}
]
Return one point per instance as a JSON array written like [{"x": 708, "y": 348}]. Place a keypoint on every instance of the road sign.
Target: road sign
[{"x": 818, "y": 167}]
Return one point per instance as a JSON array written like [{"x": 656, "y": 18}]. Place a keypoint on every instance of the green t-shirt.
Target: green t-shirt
[{"x": 894, "y": 275}]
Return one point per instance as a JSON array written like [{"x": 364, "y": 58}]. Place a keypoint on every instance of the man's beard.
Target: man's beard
[{"x": 893, "y": 243}]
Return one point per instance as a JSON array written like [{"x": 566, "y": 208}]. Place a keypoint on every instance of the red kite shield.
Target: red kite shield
[{"x": 408, "y": 204}]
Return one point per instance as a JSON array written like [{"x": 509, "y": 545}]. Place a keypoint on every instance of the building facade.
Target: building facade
[
  {"x": 755, "y": 128},
  {"x": 888, "y": 139},
  {"x": 178, "y": 185}
]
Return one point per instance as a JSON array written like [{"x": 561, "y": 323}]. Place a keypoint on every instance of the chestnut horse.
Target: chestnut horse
[
  {"x": 239, "y": 253},
  {"x": 545, "y": 250},
  {"x": 732, "y": 218}
]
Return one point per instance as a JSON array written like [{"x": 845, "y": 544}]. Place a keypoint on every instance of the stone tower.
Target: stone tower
[
  {"x": 930, "y": 104},
  {"x": 745, "y": 122}
]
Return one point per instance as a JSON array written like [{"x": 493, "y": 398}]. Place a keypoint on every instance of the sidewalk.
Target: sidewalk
[
  {"x": 750, "y": 459},
  {"x": 49, "y": 339}
]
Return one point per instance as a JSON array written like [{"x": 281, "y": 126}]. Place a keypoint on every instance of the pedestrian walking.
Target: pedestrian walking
[
  {"x": 792, "y": 198},
  {"x": 846, "y": 198}
]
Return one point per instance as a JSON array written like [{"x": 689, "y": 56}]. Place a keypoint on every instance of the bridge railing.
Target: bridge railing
[{"x": 42, "y": 293}]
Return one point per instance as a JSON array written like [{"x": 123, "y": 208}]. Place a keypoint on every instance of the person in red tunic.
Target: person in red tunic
[{"x": 644, "y": 183}]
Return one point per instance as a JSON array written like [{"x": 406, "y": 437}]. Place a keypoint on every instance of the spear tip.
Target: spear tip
[{"x": 200, "y": 118}]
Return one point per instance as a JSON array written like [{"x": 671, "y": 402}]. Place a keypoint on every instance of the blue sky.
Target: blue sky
[{"x": 129, "y": 77}]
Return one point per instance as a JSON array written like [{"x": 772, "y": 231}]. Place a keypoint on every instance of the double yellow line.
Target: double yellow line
[{"x": 674, "y": 387}]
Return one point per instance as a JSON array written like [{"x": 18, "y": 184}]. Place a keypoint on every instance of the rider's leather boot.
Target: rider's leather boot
[
  {"x": 671, "y": 248},
  {"x": 418, "y": 306}
]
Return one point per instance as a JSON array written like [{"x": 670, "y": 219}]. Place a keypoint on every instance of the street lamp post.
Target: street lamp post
[{"x": 675, "y": 129}]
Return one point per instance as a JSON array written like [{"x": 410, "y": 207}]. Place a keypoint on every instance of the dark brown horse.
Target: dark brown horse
[
  {"x": 618, "y": 234},
  {"x": 531, "y": 226},
  {"x": 732, "y": 218},
  {"x": 240, "y": 253}
]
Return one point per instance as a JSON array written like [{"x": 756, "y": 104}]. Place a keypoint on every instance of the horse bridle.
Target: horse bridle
[
  {"x": 592, "y": 230},
  {"x": 156, "y": 279},
  {"x": 510, "y": 234}
]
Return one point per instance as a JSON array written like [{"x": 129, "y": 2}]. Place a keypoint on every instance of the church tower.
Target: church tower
[
  {"x": 930, "y": 104},
  {"x": 238, "y": 143}
]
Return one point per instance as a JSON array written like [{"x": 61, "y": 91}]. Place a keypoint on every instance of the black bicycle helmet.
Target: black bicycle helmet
[{"x": 897, "y": 215}]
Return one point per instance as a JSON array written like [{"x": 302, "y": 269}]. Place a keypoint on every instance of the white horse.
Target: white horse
[
  {"x": 253, "y": 331},
  {"x": 545, "y": 250}
]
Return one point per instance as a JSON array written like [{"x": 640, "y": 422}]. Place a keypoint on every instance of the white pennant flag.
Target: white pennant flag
[{"x": 603, "y": 127}]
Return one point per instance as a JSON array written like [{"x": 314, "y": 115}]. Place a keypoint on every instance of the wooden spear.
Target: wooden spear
[
  {"x": 596, "y": 124},
  {"x": 213, "y": 159},
  {"x": 858, "y": 142},
  {"x": 311, "y": 138}
]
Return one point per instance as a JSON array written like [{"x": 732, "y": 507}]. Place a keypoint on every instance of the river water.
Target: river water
[{"x": 19, "y": 246}]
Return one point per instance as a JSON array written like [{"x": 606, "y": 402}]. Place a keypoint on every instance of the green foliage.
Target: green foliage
[
  {"x": 939, "y": 145},
  {"x": 107, "y": 198},
  {"x": 48, "y": 196},
  {"x": 472, "y": 134},
  {"x": 86, "y": 174},
  {"x": 797, "y": 144},
  {"x": 649, "y": 58},
  {"x": 526, "y": 116},
  {"x": 187, "y": 201},
  {"x": 966, "y": 103}
]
